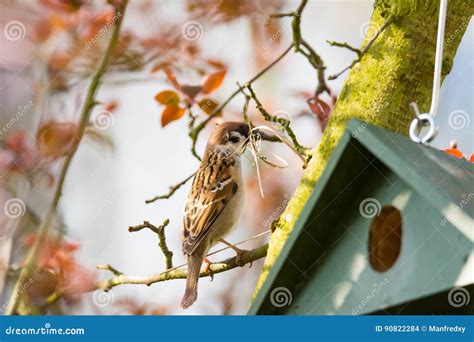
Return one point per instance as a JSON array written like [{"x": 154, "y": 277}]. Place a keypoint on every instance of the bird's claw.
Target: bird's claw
[
  {"x": 238, "y": 257},
  {"x": 207, "y": 268},
  {"x": 238, "y": 252}
]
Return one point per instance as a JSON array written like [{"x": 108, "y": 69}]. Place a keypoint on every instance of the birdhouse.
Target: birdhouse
[{"x": 388, "y": 229}]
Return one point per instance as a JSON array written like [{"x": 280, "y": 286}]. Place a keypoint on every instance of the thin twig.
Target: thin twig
[
  {"x": 361, "y": 52},
  {"x": 313, "y": 58},
  {"x": 194, "y": 133},
  {"x": 296, "y": 25},
  {"x": 317, "y": 62},
  {"x": 281, "y": 15},
  {"x": 109, "y": 268},
  {"x": 173, "y": 189},
  {"x": 285, "y": 124},
  {"x": 345, "y": 46},
  {"x": 160, "y": 231},
  {"x": 89, "y": 102}
]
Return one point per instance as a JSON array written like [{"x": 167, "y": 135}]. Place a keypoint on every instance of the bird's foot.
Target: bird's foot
[
  {"x": 207, "y": 268},
  {"x": 238, "y": 252}
]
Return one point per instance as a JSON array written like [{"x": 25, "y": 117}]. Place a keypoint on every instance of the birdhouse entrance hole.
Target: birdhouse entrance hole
[{"x": 385, "y": 239}]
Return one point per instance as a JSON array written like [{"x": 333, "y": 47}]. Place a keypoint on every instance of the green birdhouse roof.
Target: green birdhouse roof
[{"x": 444, "y": 182}]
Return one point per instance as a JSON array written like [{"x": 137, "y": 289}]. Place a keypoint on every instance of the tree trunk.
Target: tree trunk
[{"x": 396, "y": 70}]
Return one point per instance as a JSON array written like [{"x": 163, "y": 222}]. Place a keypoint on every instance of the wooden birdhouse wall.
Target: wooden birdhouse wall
[
  {"x": 343, "y": 281},
  {"x": 343, "y": 258}
]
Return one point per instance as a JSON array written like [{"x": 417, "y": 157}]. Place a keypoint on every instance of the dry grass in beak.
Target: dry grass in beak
[
  {"x": 257, "y": 134},
  {"x": 261, "y": 129},
  {"x": 255, "y": 157}
]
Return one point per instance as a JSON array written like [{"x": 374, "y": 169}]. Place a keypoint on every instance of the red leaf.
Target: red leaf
[
  {"x": 18, "y": 142},
  {"x": 208, "y": 106},
  {"x": 168, "y": 97},
  {"x": 56, "y": 138},
  {"x": 171, "y": 113},
  {"x": 111, "y": 106},
  {"x": 321, "y": 109},
  {"x": 216, "y": 63},
  {"x": 213, "y": 81},
  {"x": 62, "y": 269},
  {"x": 191, "y": 90},
  {"x": 314, "y": 106}
]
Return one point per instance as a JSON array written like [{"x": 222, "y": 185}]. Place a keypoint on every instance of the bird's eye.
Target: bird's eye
[{"x": 234, "y": 139}]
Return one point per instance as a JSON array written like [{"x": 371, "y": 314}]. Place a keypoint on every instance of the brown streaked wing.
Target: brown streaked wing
[{"x": 213, "y": 186}]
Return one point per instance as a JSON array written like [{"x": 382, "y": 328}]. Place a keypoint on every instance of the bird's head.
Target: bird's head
[{"x": 232, "y": 135}]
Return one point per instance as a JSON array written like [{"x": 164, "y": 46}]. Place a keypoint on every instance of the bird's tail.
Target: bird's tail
[{"x": 194, "y": 268}]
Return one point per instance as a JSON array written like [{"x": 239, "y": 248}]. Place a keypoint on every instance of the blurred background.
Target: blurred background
[{"x": 48, "y": 51}]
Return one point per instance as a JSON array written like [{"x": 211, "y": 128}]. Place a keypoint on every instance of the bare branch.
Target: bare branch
[
  {"x": 173, "y": 189},
  {"x": 89, "y": 102},
  {"x": 160, "y": 231},
  {"x": 313, "y": 58},
  {"x": 110, "y": 268},
  {"x": 316, "y": 61},
  {"x": 296, "y": 25},
  {"x": 281, "y": 15},
  {"x": 360, "y": 53},
  {"x": 194, "y": 133},
  {"x": 175, "y": 273},
  {"x": 344, "y": 45}
]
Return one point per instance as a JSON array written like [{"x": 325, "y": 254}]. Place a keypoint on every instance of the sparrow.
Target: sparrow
[{"x": 215, "y": 201}]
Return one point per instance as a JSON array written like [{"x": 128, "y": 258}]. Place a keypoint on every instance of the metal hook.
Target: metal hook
[{"x": 426, "y": 119}]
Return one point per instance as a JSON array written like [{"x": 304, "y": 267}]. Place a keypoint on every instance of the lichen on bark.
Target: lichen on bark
[{"x": 396, "y": 70}]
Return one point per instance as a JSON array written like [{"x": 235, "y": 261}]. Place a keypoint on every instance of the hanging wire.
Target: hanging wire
[{"x": 426, "y": 119}]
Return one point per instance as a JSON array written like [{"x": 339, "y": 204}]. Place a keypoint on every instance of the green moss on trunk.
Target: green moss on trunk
[{"x": 397, "y": 70}]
